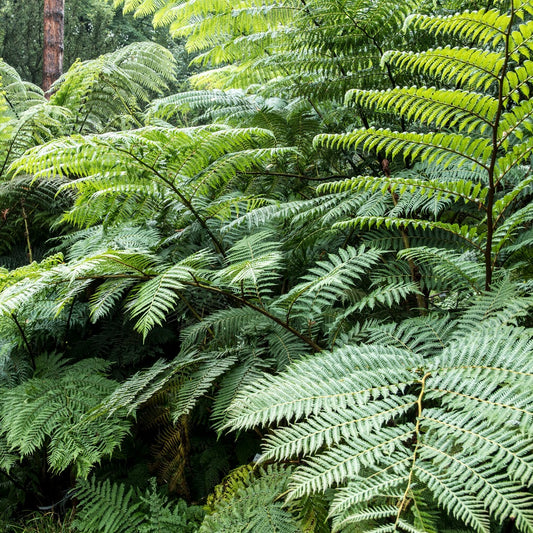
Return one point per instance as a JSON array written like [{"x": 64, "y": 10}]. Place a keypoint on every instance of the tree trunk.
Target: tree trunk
[{"x": 54, "y": 13}]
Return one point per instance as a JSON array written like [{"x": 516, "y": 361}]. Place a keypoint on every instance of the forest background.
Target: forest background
[{"x": 266, "y": 267}]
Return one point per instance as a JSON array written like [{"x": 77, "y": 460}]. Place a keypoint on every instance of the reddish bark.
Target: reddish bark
[{"x": 54, "y": 14}]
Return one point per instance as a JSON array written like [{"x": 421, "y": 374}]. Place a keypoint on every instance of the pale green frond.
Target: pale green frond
[
  {"x": 154, "y": 299},
  {"x": 224, "y": 326},
  {"x": 328, "y": 429},
  {"x": 328, "y": 281},
  {"x": 231, "y": 385},
  {"x": 347, "y": 459},
  {"x": 486, "y": 26},
  {"x": 467, "y": 67},
  {"x": 468, "y": 233},
  {"x": 343, "y": 385},
  {"x": 465, "y": 190},
  {"x": 254, "y": 265},
  {"x": 438, "y": 108},
  {"x": 100, "y": 90},
  {"x": 452, "y": 495},
  {"x": 452, "y": 268}
]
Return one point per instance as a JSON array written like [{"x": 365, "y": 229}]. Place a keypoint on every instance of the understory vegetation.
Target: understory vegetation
[{"x": 295, "y": 297}]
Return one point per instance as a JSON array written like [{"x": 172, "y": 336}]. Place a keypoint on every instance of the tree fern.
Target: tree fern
[
  {"x": 235, "y": 274},
  {"x": 376, "y": 419},
  {"x": 285, "y": 47},
  {"x": 102, "y": 91}
]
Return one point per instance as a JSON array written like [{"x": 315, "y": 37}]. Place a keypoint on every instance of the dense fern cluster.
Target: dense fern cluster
[{"x": 296, "y": 296}]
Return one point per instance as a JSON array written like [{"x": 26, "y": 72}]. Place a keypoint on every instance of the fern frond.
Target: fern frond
[
  {"x": 466, "y": 67},
  {"x": 139, "y": 388},
  {"x": 439, "y": 108},
  {"x": 327, "y": 282},
  {"x": 431, "y": 147},
  {"x": 484, "y": 26},
  {"x": 200, "y": 381},
  {"x": 157, "y": 297},
  {"x": 253, "y": 265},
  {"x": 107, "y": 507},
  {"x": 460, "y": 189},
  {"x": 252, "y": 505},
  {"x": 59, "y": 409},
  {"x": 100, "y": 90},
  {"x": 351, "y": 436}
]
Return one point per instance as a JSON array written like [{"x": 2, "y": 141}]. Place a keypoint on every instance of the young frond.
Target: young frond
[
  {"x": 20, "y": 95},
  {"x": 486, "y": 26},
  {"x": 465, "y": 190},
  {"x": 471, "y": 68}
]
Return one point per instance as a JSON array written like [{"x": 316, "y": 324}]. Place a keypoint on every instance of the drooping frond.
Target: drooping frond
[
  {"x": 297, "y": 48},
  {"x": 105, "y": 92},
  {"x": 132, "y": 393}
]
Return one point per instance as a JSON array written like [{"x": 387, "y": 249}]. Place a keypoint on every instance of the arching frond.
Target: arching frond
[
  {"x": 427, "y": 412},
  {"x": 101, "y": 92}
]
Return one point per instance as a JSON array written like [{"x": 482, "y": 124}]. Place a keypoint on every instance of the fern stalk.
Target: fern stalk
[
  {"x": 25, "y": 340},
  {"x": 26, "y": 230},
  {"x": 415, "y": 273},
  {"x": 403, "y": 502},
  {"x": 494, "y": 156},
  {"x": 309, "y": 341}
]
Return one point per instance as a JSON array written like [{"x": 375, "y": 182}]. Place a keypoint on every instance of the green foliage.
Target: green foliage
[
  {"x": 248, "y": 503},
  {"x": 380, "y": 421},
  {"x": 92, "y": 28},
  {"x": 42, "y": 410},
  {"x": 113, "y": 508},
  {"x": 107, "y": 92},
  {"x": 486, "y": 125},
  {"x": 303, "y": 250}
]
